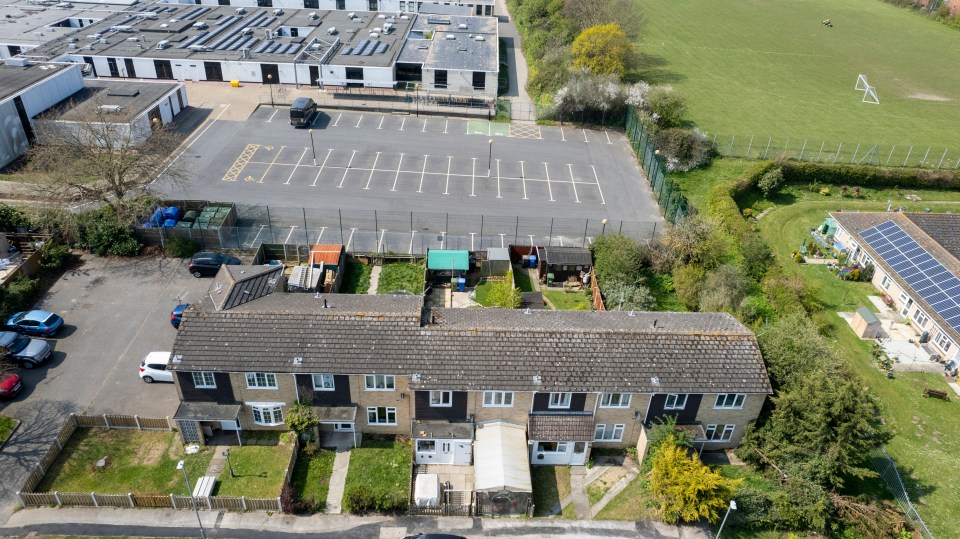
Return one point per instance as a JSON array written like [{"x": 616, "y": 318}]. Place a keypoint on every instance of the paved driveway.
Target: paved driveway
[{"x": 116, "y": 311}]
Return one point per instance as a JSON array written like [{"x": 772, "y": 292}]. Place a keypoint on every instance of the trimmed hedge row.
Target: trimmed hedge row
[
  {"x": 721, "y": 201},
  {"x": 869, "y": 176}
]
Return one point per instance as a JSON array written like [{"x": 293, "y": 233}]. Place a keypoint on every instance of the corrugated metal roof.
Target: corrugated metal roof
[
  {"x": 500, "y": 458},
  {"x": 439, "y": 259}
]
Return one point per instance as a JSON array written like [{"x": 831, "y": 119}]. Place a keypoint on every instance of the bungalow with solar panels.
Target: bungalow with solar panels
[
  {"x": 917, "y": 260},
  {"x": 457, "y": 7}
]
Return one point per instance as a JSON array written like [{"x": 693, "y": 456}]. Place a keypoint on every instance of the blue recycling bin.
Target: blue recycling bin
[
  {"x": 461, "y": 284},
  {"x": 532, "y": 261}
]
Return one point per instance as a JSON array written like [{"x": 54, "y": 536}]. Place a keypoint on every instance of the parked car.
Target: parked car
[
  {"x": 153, "y": 368},
  {"x": 22, "y": 349},
  {"x": 209, "y": 262},
  {"x": 10, "y": 385},
  {"x": 36, "y": 322},
  {"x": 177, "y": 314}
]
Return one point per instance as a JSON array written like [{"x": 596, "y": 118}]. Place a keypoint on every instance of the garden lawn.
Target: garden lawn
[
  {"x": 770, "y": 68},
  {"x": 7, "y": 424},
  {"x": 551, "y": 484},
  {"x": 380, "y": 466},
  {"x": 357, "y": 279},
  {"x": 259, "y": 471},
  {"x": 144, "y": 462},
  {"x": 633, "y": 503},
  {"x": 397, "y": 276},
  {"x": 311, "y": 477},
  {"x": 925, "y": 443},
  {"x": 482, "y": 293},
  {"x": 569, "y": 301},
  {"x": 522, "y": 280}
]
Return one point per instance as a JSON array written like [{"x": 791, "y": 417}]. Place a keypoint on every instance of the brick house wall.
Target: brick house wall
[
  {"x": 742, "y": 417},
  {"x": 632, "y": 428}
]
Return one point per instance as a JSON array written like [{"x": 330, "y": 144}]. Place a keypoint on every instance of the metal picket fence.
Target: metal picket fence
[
  {"x": 887, "y": 469},
  {"x": 671, "y": 200}
]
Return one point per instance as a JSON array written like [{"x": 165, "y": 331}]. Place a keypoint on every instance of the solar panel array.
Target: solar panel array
[{"x": 927, "y": 276}]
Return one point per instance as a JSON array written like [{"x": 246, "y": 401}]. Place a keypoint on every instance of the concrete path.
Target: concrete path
[
  {"x": 614, "y": 490},
  {"x": 578, "y": 491},
  {"x": 519, "y": 72},
  {"x": 218, "y": 461},
  {"x": 338, "y": 480},
  {"x": 374, "y": 280}
]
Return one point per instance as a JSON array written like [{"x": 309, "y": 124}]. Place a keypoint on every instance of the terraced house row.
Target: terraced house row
[{"x": 574, "y": 380}]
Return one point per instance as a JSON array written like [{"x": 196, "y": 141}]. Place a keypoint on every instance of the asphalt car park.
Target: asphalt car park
[{"x": 116, "y": 311}]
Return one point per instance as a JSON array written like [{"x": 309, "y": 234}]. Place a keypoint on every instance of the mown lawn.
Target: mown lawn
[
  {"x": 551, "y": 484},
  {"x": 259, "y": 471},
  {"x": 144, "y": 462},
  {"x": 569, "y": 301},
  {"x": 7, "y": 424},
  {"x": 633, "y": 503},
  {"x": 357, "y": 278},
  {"x": 380, "y": 465},
  {"x": 401, "y": 276},
  {"x": 311, "y": 477}
]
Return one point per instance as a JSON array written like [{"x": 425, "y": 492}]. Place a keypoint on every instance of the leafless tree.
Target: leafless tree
[
  {"x": 90, "y": 152},
  {"x": 589, "y": 13}
]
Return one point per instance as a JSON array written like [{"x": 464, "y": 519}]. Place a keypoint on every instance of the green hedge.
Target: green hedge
[{"x": 869, "y": 176}]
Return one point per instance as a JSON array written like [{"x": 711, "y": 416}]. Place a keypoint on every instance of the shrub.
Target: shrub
[
  {"x": 105, "y": 234},
  {"x": 866, "y": 274},
  {"x": 12, "y": 217},
  {"x": 616, "y": 257},
  {"x": 825, "y": 191},
  {"x": 798, "y": 258},
  {"x": 360, "y": 500},
  {"x": 293, "y": 505},
  {"x": 180, "y": 247},
  {"x": 747, "y": 212},
  {"x": 55, "y": 255},
  {"x": 688, "y": 282},
  {"x": 869, "y": 176},
  {"x": 771, "y": 182},
  {"x": 19, "y": 295},
  {"x": 624, "y": 295},
  {"x": 683, "y": 150},
  {"x": 667, "y": 106}
]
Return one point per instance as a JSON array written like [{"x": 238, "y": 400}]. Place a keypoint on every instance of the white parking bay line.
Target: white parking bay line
[
  {"x": 347, "y": 169},
  {"x": 607, "y": 133},
  {"x": 523, "y": 177},
  {"x": 422, "y": 174},
  {"x": 338, "y": 120},
  {"x": 573, "y": 182},
  {"x": 358, "y": 121},
  {"x": 372, "y": 170},
  {"x": 322, "y": 230},
  {"x": 292, "y": 228},
  {"x": 412, "y": 234},
  {"x": 272, "y": 115},
  {"x": 446, "y": 189},
  {"x": 403, "y": 121},
  {"x": 473, "y": 178},
  {"x": 445, "y": 125},
  {"x": 383, "y": 232},
  {"x": 382, "y": 118},
  {"x": 294, "y": 171},
  {"x": 562, "y": 137},
  {"x": 397, "y": 176},
  {"x": 350, "y": 239},
  {"x": 424, "y": 130},
  {"x": 602, "y": 201},
  {"x": 585, "y": 135},
  {"x": 255, "y": 238},
  {"x": 498, "y": 179},
  {"x": 329, "y": 151},
  {"x": 549, "y": 189}
]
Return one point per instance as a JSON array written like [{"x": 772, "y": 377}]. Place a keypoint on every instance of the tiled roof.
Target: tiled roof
[
  {"x": 476, "y": 349},
  {"x": 328, "y": 253},
  {"x": 943, "y": 228},
  {"x": 561, "y": 427},
  {"x": 566, "y": 256}
]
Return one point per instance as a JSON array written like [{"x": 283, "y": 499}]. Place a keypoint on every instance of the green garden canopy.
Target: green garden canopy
[{"x": 438, "y": 259}]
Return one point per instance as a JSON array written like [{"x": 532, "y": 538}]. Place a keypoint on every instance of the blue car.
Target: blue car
[
  {"x": 35, "y": 322},
  {"x": 177, "y": 314}
]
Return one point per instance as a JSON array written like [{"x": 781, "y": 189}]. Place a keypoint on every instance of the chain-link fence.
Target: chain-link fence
[
  {"x": 822, "y": 151},
  {"x": 887, "y": 469},
  {"x": 666, "y": 191},
  {"x": 394, "y": 232}
]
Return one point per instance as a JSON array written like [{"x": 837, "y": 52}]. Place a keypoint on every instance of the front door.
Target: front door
[{"x": 579, "y": 457}]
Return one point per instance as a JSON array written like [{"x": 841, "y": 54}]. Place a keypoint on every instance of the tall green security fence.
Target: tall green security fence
[{"x": 667, "y": 192}]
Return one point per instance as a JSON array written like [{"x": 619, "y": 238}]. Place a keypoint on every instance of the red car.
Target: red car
[{"x": 10, "y": 385}]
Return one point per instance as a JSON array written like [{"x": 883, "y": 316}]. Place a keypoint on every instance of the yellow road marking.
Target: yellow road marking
[{"x": 240, "y": 163}]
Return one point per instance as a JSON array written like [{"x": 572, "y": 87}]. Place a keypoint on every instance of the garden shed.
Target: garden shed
[
  {"x": 502, "y": 479},
  {"x": 497, "y": 263},
  {"x": 444, "y": 265},
  {"x": 559, "y": 264},
  {"x": 866, "y": 324}
]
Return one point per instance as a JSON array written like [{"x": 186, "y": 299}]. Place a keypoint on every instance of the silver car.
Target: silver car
[{"x": 26, "y": 351}]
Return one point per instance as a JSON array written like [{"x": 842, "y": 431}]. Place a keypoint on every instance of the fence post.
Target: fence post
[
  {"x": 93, "y": 496},
  {"x": 20, "y": 499},
  {"x": 56, "y": 496},
  {"x": 944, "y": 156},
  {"x": 130, "y": 497},
  {"x": 550, "y": 237},
  {"x": 891, "y": 155},
  {"x": 821, "y": 150},
  {"x": 765, "y": 152},
  {"x": 340, "y": 217},
  {"x": 516, "y": 231},
  {"x": 732, "y": 140},
  {"x": 586, "y": 224},
  {"x": 105, "y": 420},
  {"x": 924, "y": 160},
  {"x": 270, "y": 224},
  {"x": 481, "y": 231},
  {"x": 243, "y": 502},
  {"x": 802, "y": 149},
  {"x": 837, "y": 156},
  {"x": 306, "y": 233},
  {"x": 279, "y": 505},
  {"x": 907, "y": 158},
  {"x": 746, "y": 154},
  {"x": 136, "y": 419},
  {"x": 173, "y": 501}
]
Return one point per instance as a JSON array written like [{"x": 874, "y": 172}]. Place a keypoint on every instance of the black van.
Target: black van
[{"x": 302, "y": 111}]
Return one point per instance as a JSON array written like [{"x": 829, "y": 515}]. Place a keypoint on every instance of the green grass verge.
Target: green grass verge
[
  {"x": 922, "y": 446},
  {"x": 798, "y": 81},
  {"x": 357, "y": 278},
  {"x": 311, "y": 477},
  {"x": 522, "y": 280},
  {"x": 551, "y": 484},
  {"x": 144, "y": 462},
  {"x": 569, "y": 301},
  {"x": 396, "y": 276},
  {"x": 596, "y": 491},
  {"x": 633, "y": 503},
  {"x": 7, "y": 425},
  {"x": 259, "y": 471},
  {"x": 483, "y": 293},
  {"x": 381, "y": 467}
]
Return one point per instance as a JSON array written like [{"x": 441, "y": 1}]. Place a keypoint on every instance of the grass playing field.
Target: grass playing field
[{"x": 770, "y": 68}]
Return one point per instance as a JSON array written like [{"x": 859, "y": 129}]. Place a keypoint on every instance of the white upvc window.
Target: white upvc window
[
  {"x": 204, "y": 380},
  {"x": 730, "y": 401},
  {"x": 551, "y": 447},
  {"x": 904, "y": 297},
  {"x": 607, "y": 433},
  {"x": 502, "y": 399},
  {"x": 441, "y": 399},
  {"x": 381, "y": 415},
  {"x": 719, "y": 433},
  {"x": 885, "y": 282},
  {"x": 615, "y": 400},
  {"x": 261, "y": 380},
  {"x": 323, "y": 382},
  {"x": 675, "y": 401},
  {"x": 380, "y": 382},
  {"x": 267, "y": 414},
  {"x": 920, "y": 318},
  {"x": 426, "y": 446},
  {"x": 943, "y": 341},
  {"x": 560, "y": 400}
]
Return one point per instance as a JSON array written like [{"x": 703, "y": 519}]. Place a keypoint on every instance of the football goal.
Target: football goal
[{"x": 869, "y": 92}]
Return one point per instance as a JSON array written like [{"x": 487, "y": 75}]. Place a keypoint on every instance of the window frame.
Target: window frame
[
  {"x": 323, "y": 385},
  {"x": 606, "y": 400},
  {"x": 725, "y": 433},
  {"x": 561, "y": 447},
  {"x": 614, "y": 436},
  {"x": 204, "y": 382},
  {"x": 885, "y": 282},
  {"x": 724, "y": 397},
  {"x": 421, "y": 450},
  {"x": 564, "y": 398},
  {"x": 386, "y": 377},
  {"x": 493, "y": 397},
  {"x": 920, "y": 318},
  {"x": 943, "y": 341},
  {"x": 387, "y": 411},
  {"x": 442, "y": 393},
  {"x": 677, "y": 397},
  {"x": 267, "y": 377},
  {"x": 271, "y": 410}
]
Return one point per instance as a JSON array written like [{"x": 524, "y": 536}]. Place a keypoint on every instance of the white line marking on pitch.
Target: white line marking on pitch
[
  {"x": 372, "y": 170},
  {"x": 549, "y": 189},
  {"x": 383, "y": 232},
  {"x": 473, "y": 178},
  {"x": 314, "y": 184},
  {"x": 294, "y": 171},
  {"x": 446, "y": 189},
  {"x": 272, "y": 115},
  {"x": 292, "y": 228},
  {"x": 397, "y": 176},
  {"x": 498, "y": 179},
  {"x": 358, "y": 121},
  {"x": 523, "y": 177},
  {"x": 338, "y": 119},
  {"x": 350, "y": 239},
  {"x": 422, "y": 174},
  {"x": 322, "y": 230},
  {"x": 573, "y": 182},
  {"x": 602, "y": 201},
  {"x": 346, "y": 170},
  {"x": 382, "y": 118},
  {"x": 607, "y": 133}
]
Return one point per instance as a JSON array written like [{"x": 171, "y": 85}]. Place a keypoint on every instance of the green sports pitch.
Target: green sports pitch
[{"x": 771, "y": 68}]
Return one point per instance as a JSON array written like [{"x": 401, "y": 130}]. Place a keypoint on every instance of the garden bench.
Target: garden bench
[
  {"x": 927, "y": 392},
  {"x": 204, "y": 486}
]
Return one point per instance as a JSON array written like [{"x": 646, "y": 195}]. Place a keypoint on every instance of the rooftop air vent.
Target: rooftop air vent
[
  {"x": 163, "y": 45},
  {"x": 462, "y": 26},
  {"x": 479, "y": 38},
  {"x": 312, "y": 15},
  {"x": 278, "y": 11},
  {"x": 240, "y": 11},
  {"x": 404, "y": 18},
  {"x": 381, "y": 16},
  {"x": 655, "y": 380},
  {"x": 133, "y": 39},
  {"x": 298, "y": 361},
  {"x": 351, "y": 15},
  {"x": 415, "y": 377},
  {"x": 200, "y": 25},
  {"x": 112, "y": 109},
  {"x": 374, "y": 34},
  {"x": 450, "y": 37},
  {"x": 332, "y": 31},
  {"x": 537, "y": 379}
]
